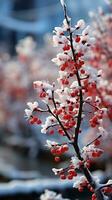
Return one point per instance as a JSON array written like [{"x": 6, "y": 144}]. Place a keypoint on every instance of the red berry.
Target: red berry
[
  {"x": 66, "y": 47},
  {"x": 94, "y": 197},
  {"x": 31, "y": 121},
  {"x": 42, "y": 94},
  {"x": 58, "y": 151},
  {"x": 77, "y": 39},
  {"x": 62, "y": 176},
  {"x": 39, "y": 121},
  {"x": 61, "y": 132},
  {"x": 53, "y": 151},
  {"x": 51, "y": 132},
  {"x": 97, "y": 142},
  {"x": 80, "y": 189},
  {"x": 70, "y": 177},
  {"x": 57, "y": 159},
  {"x": 65, "y": 148}
]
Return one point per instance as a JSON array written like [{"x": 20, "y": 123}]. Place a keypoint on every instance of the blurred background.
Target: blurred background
[
  {"x": 25, "y": 56},
  {"x": 36, "y": 18}
]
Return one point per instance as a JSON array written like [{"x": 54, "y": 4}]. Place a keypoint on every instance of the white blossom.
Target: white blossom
[
  {"x": 31, "y": 106},
  {"x": 86, "y": 30},
  {"x": 59, "y": 40},
  {"x": 58, "y": 30},
  {"x": 65, "y": 23},
  {"x": 28, "y": 113},
  {"x": 42, "y": 85},
  {"x": 85, "y": 38},
  {"x": 56, "y": 40},
  {"x": 49, "y": 121},
  {"x": 80, "y": 24},
  {"x": 38, "y": 84},
  {"x": 60, "y": 59}
]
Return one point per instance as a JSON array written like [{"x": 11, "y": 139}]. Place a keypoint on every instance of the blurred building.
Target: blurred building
[{"x": 34, "y": 17}]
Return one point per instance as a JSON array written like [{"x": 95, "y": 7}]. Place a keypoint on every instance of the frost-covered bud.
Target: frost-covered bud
[
  {"x": 75, "y": 162},
  {"x": 42, "y": 85},
  {"x": 65, "y": 23},
  {"x": 48, "y": 123},
  {"x": 86, "y": 30},
  {"x": 37, "y": 84},
  {"x": 80, "y": 24},
  {"x": 62, "y": 2},
  {"x": 78, "y": 181},
  {"x": 58, "y": 30},
  {"x": 28, "y": 113},
  {"x": 57, "y": 171},
  {"x": 32, "y": 106},
  {"x": 88, "y": 99},
  {"x": 84, "y": 39},
  {"x": 50, "y": 143},
  {"x": 91, "y": 151},
  {"x": 60, "y": 59}
]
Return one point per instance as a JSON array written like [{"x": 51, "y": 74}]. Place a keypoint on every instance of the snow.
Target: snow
[{"x": 37, "y": 185}]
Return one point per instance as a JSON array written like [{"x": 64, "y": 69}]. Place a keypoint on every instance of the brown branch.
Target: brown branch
[
  {"x": 85, "y": 170},
  {"x": 57, "y": 118}
]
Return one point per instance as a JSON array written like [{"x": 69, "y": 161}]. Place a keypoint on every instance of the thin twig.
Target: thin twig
[{"x": 94, "y": 140}]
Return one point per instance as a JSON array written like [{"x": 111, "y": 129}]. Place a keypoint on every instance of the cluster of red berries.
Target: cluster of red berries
[
  {"x": 72, "y": 67},
  {"x": 107, "y": 190},
  {"x": 68, "y": 173},
  {"x": 94, "y": 121},
  {"x": 83, "y": 185},
  {"x": 35, "y": 120},
  {"x": 90, "y": 88},
  {"x": 58, "y": 150},
  {"x": 69, "y": 121},
  {"x": 97, "y": 142},
  {"x": 97, "y": 153}
]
